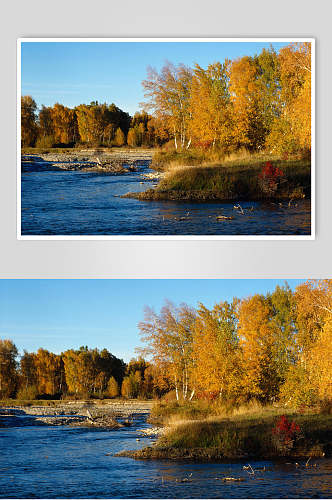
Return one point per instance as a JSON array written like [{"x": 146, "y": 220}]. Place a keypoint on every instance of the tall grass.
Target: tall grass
[
  {"x": 237, "y": 176},
  {"x": 245, "y": 430}
]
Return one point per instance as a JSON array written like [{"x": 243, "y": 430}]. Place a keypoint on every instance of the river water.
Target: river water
[
  {"x": 65, "y": 462},
  {"x": 56, "y": 202}
]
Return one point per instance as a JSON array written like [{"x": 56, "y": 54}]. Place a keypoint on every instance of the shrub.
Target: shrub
[
  {"x": 285, "y": 434},
  {"x": 270, "y": 178},
  {"x": 47, "y": 141},
  {"x": 27, "y": 393}
]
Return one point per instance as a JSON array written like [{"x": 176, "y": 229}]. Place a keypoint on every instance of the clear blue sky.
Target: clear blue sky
[
  {"x": 73, "y": 73},
  {"x": 63, "y": 314}
]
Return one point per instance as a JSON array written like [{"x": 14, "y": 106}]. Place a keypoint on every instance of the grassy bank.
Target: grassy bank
[
  {"x": 193, "y": 432},
  {"x": 191, "y": 176}
]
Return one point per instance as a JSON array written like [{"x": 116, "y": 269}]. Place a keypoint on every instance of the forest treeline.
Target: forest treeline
[
  {"x": 269, "y": 347},
  {"x": 81, "y": 373},
  {"x": 259, "y": 102}
]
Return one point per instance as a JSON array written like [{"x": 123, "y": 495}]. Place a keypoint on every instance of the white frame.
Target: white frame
[{"x": 167, "y": 237}]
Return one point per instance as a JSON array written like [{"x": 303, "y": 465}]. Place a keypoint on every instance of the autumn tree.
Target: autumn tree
[
  {"x": 119, "y": 139},
  {"x": 89, "y": 370},
  {"x": 8, "y": 368},
  {"x": 313, "y": 306},
  {"x": 291, "y": 131},
  {"x": 210, "y": 122},
  {"x": 260, "y": 371},
  {"x": 45, "y": 122},
  {"x": 309, "y": 377},
  {"x": 28, "y": 385},
  {"x": 113, "y": 388},
  {"x": 283, "y": 324},
  {"x": 94, "y": 123},
  {"x": 167, "y": 95},
  {"x": 169, "y": 344},
  {"x": 132, "y": 138},
  {"x": 49, "y": 372},
  {"x": 28, "y": 121},
  {"x": 130, "y": 386},
  {"x": 141, "y": 378},
  {"x": 215, "y": 351},
  {"x": 269, "y": 87},
  {"x": 246, "y": 104},
  {"x": 319, "y": 364},
  {"x": 64, "y": 124}
]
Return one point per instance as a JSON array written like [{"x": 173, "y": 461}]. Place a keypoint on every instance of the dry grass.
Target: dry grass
[
  {"x": 236, "y": 177},
  {"x": 245, "y": 430}
]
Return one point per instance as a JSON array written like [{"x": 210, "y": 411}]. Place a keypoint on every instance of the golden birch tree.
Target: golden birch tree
[
  {"x": 169, "y": 344},
  {"x": 167, "y": 95}
]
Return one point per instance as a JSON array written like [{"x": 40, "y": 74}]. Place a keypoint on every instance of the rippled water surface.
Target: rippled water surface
[
  {"x": 88, "y": 203},
  {"x": 64, "y": 462}
]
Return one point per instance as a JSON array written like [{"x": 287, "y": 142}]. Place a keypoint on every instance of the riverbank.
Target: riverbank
[
  {"x": 251, "y": 435},
  {"x": 116, "y": 162},
  {"x": 189, "y": 177},
  {"x": 109, "y": 414}
]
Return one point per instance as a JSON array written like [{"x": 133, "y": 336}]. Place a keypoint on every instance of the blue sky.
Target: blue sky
[
  {"x": 80, "y": 72},
  {"x": 63, "y": 314}
]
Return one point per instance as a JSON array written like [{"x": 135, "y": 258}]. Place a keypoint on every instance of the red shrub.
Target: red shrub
[
  {"x": 269, "y": 178},
  {"x": 285, "y": 433}
]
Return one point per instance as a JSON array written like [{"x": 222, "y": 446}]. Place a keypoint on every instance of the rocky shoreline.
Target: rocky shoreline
[
  {"x": 88, "y": 161},
  {"x": 74, "y": 414}
]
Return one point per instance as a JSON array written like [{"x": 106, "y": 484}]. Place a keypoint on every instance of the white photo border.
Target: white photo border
[{"x": 311, "y": 237}]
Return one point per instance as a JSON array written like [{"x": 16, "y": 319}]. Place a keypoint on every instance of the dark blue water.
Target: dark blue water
[
  {"x": 88, "y": 203},
  {"x": 64, "y": 462}
]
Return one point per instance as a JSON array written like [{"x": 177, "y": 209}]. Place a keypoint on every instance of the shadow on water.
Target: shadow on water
[{"x": 89, "y": 203}]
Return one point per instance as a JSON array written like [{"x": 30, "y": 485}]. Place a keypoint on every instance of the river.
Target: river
[
  {"x": 57, "y": 202},
  {"x": 65, "y": 462}
]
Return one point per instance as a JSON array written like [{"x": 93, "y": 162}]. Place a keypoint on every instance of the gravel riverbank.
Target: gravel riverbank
[
  {"x": 75, "y": 414},
  {"x": 91, "y": 161}
]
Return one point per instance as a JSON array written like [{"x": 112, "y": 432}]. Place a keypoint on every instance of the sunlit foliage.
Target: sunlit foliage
[
  {"x": 272, "y": 347},
  {"x": 8, "y": 365},
  {"x": 253, "y": 102},
  {"x": 28, "y": 121},
  {"x": 168, "y": 336}
]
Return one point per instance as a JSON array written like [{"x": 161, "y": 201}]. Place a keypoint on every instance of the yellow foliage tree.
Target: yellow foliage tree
[
  {"x": 28, "y": 121},
  {"x": 63, "y": 120},
  {"x": 169, "y": 343},
  {"x": 113, "y": 388},
  {"x": 210, "y": 121},
  {"x": 319, "y": 363},
  {"x": 168, "y": 95},
  {"x": 48, "y": 372},
  {"x": 292, "y": 129},
  {"x": 119, "y": 139},
  {"x": 8, "y": 366},
  {"x": 257, "y": 341},
  {"x": 215, "y": 351},
  {"x": 246, "y": 100}
]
